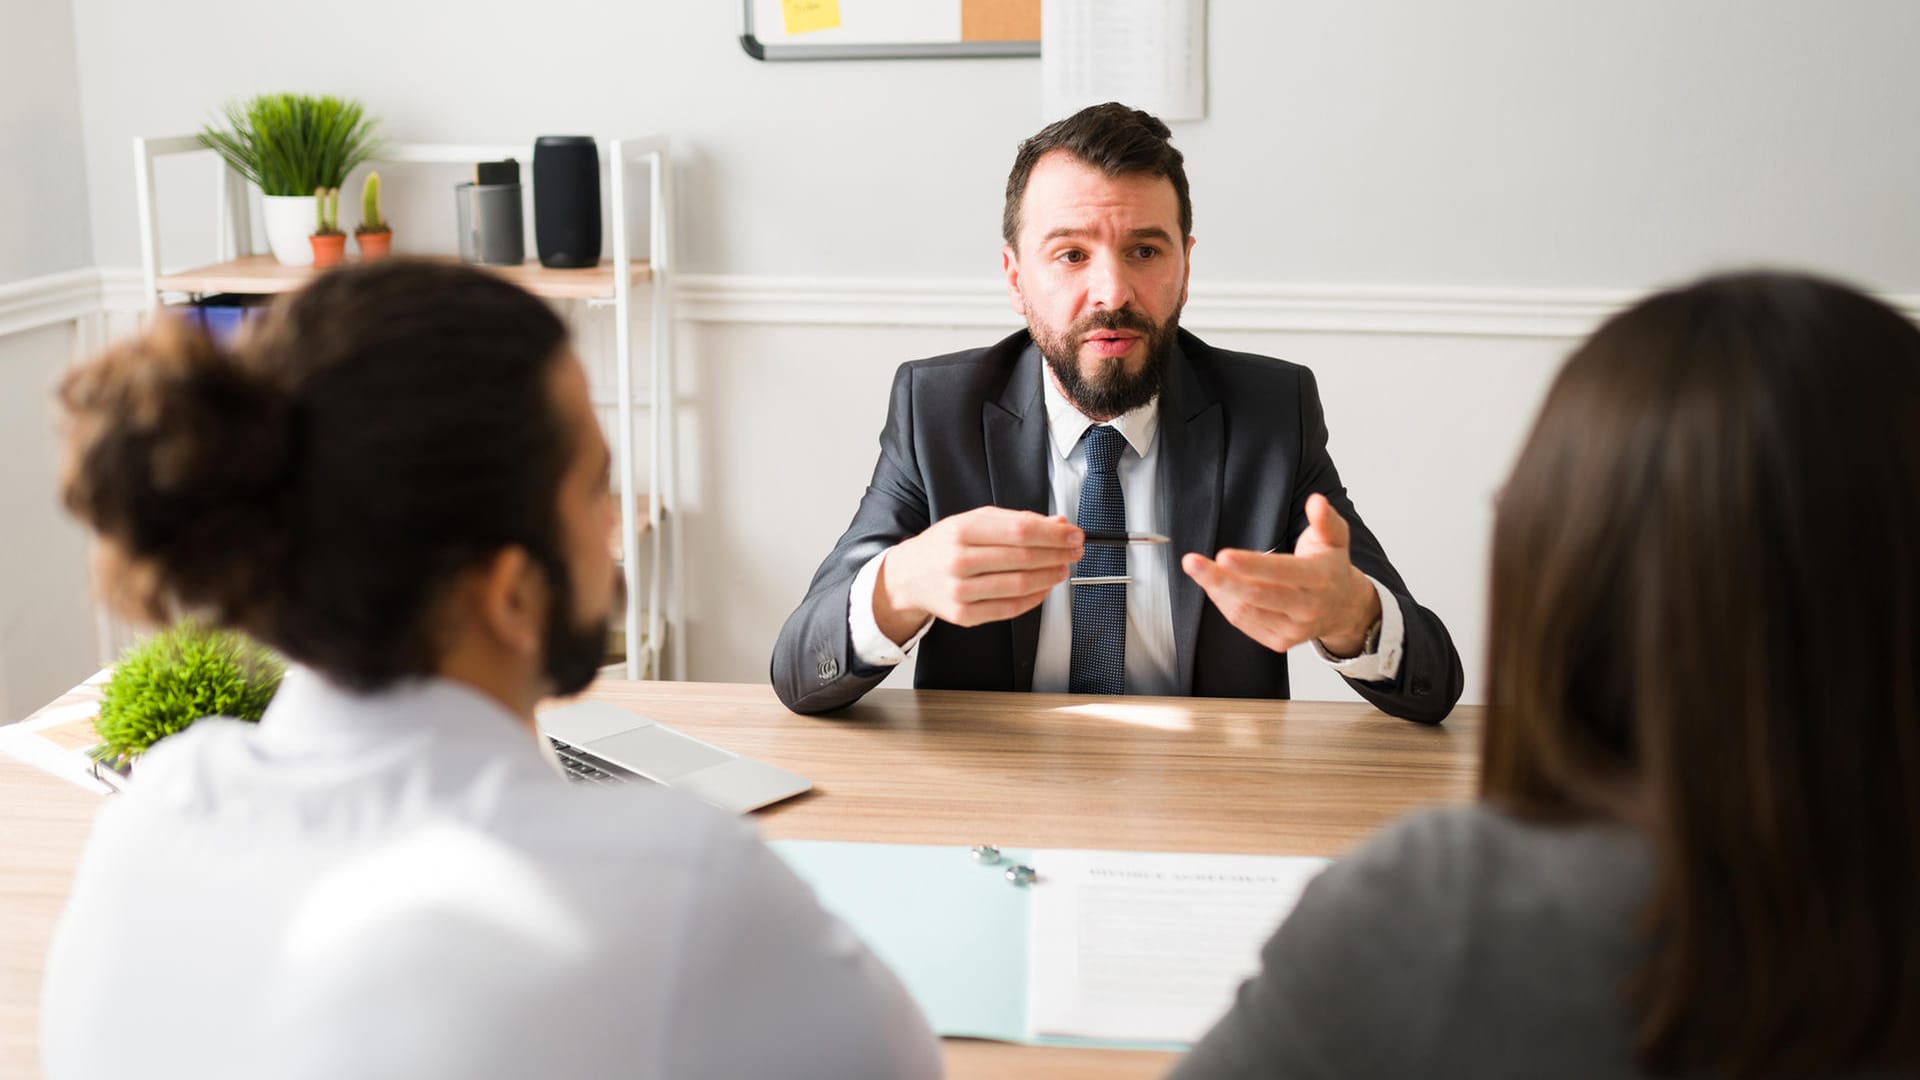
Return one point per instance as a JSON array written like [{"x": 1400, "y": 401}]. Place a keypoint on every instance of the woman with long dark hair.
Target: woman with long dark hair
[{"x": 1698, "y": 847}]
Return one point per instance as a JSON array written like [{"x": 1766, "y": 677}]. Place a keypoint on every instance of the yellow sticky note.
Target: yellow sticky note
[{"x": 806, "y": 16}]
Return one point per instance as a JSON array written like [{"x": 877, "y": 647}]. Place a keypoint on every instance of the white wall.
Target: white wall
[
  {"x": 46, "y": 622},
  {"x": 1351, "y": 150},
  {"x": 1476, "y": 142},
  {"x": 44, "y": 218}
]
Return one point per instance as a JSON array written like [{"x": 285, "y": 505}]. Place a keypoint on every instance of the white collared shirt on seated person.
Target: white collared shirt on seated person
[{"x": 400, "y": 885}]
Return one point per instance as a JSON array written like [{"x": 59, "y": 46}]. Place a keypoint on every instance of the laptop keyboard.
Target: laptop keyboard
[{"x": 586, "y": 769}]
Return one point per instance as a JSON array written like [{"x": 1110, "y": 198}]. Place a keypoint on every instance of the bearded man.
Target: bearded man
[{"x": 994, "y": 537}]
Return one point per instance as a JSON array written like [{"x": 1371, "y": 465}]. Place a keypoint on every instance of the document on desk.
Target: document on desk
[
  {"x": 1149, "y": 946},
  {"x": 1102, "y": 948}
]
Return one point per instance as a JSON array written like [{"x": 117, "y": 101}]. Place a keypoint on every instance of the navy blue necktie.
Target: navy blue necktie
[{"x": 1100, "y": 611}]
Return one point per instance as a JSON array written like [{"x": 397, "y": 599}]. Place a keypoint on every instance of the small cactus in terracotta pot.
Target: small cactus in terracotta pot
[
  {"x": 329, "y": 243},
  {"x": 373, "y": 237}
]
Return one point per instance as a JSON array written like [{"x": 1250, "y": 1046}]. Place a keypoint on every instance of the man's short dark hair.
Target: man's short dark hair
[{"x": 1117, "y": 140}]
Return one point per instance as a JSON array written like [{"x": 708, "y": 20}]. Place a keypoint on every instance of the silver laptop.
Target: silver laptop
[{"x": 601, "y": 743}]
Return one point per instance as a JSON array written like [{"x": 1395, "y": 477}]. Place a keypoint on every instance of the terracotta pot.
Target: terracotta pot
[
  {"x": 374, "y": 245},
  {"x": 330, "y": 250}
]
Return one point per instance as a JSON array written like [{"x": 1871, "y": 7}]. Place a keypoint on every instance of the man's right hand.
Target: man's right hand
[{"x": 982, "y": 566}]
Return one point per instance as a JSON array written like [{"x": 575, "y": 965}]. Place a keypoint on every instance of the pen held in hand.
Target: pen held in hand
[{"x": 1116, "y": 537}]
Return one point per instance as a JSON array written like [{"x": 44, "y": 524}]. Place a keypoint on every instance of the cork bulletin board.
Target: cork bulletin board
[{"x": 888, "y": 29}]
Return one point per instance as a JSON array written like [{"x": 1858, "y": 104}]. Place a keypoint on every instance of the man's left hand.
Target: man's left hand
[{"x": 1283, "y": 600}]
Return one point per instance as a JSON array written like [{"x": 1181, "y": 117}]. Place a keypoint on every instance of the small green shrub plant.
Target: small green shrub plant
[{"x": 177, "y": 676}]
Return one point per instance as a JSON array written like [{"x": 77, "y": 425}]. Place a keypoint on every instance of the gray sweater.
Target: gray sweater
[{"x": 1458, "y": 942}]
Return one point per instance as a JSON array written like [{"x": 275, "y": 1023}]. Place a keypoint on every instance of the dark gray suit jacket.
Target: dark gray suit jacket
[{"x": 1246, "y": 443}]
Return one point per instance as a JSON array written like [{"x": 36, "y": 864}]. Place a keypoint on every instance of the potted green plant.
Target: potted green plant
[
  {"x": 328, "y": 242},
  {"x": 173, "y": 678},
  {"x": 290, "y": 145},
  {"x": 372, "y": 236}
]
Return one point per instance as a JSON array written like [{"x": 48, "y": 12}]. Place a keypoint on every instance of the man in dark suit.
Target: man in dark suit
[{"x": 1107, "y": 416}]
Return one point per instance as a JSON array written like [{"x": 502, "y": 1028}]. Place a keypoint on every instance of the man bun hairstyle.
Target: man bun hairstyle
[
  {"x": 1117, "y": 140},
  {"x": 178, "y": 461},
  {"x": 320, "y": 484}
]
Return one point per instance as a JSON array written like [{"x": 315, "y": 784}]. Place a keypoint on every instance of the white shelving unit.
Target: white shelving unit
[{"x": 610, "y": 286}]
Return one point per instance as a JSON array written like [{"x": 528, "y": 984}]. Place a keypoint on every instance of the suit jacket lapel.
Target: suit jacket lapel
[
  {"x": 1015, "y": 428},
  {"x": 1190, "y": 422}
]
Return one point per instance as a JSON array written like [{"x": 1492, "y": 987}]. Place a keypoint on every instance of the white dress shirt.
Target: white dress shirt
[
  {"x": 400, "y": 885},
  {"x": 1152, "y": 666}
]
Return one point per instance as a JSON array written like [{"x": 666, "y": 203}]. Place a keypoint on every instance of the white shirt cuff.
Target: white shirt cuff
[
  {"x": 1380, "y": 665},
  {"x": 871, "y": 647}
]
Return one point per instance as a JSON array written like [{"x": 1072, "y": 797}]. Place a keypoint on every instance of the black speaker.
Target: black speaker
[{"x": 566, "y": 200}]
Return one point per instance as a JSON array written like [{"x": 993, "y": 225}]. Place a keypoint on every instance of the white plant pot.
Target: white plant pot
[{"x": 289, "y": 221}]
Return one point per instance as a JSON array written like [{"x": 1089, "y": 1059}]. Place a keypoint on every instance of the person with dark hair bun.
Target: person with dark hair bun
[
  {"x": 398, "y": 482},
  {"x": 1698, "y": 847}
]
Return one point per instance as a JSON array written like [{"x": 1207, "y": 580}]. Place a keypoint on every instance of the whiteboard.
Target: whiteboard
[{"x": 889, "y": 29}]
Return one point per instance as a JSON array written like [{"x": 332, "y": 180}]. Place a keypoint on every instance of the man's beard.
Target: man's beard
[
  {"x": 1113, "y": 390},
  {"x": 572, "y": 654}
]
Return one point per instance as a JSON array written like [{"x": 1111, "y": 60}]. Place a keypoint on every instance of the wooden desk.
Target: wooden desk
[{"x": 1032, "y": 770}]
